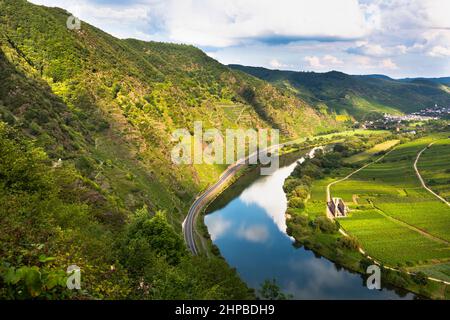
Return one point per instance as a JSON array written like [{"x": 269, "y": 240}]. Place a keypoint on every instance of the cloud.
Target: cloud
[
  {"x": 320, "y": 63},
  {"x": 231, "y": 22},
  {"x": 332, "y": 60},
  {"x": 274, "y": 63},
  {"x": 257, "y": 233},
  {"x": 221, "y": 23},
  {"x": 314, "y": 62},
  {"x": 388, "y": 64},
  {"x": 368, "y": 49},
  {"x": 439, "y": 51},
  {"x": 378, "y": 50},
  {"x": 217, "y": 226}
]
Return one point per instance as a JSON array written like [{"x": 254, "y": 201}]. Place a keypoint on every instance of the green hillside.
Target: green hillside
[
  {"x": 88, "y": 118},
  {"x": 356, "y": 95}
]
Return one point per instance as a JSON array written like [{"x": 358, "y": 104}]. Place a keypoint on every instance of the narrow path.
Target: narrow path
[
  {"x": 410, "y": 226},
  {"x": 354, "y": 172},
  {"x": 421, "y": 179}
]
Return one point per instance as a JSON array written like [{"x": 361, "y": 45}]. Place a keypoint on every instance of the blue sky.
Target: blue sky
[{"x": 399, "y": 38}]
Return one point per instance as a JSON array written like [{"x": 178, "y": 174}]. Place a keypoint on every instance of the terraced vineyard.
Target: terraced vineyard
[{"x": 395, "y": 219}]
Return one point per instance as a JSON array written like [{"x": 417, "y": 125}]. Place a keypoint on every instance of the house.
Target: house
[{"x": 337, "y": 207}]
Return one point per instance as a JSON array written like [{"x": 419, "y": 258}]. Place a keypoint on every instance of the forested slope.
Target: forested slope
[{"x": 86, "y": 123}]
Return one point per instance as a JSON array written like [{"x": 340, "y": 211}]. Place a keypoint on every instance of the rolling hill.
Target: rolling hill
[{"x": 344, "y": 94}]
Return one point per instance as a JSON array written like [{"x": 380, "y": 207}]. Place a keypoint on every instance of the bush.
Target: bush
[
  {"x": 296, "y": 202},
  {"x": 290, "y": 184},
  {"x": 420, "y": 278},
  {"x": 301, "y": 191},
  {"x": 347, "y": 243},
  {"x": 325, "y": 225},
  {"x": 300, "y": 220}
]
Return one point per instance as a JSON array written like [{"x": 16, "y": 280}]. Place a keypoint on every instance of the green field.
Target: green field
[
  {"x": 434, "y": 167},
  {"x": 393, "y": 217},
  {"x": 386, "y": 145}
]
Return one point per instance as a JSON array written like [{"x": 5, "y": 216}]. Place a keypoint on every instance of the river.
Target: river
[{"x": 247, "y": 222}]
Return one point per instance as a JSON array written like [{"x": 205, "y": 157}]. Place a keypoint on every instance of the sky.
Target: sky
[{"x": 398, "y": 38}]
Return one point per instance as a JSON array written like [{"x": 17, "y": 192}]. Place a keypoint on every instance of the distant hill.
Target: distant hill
[
  {"x": 356, "y": 95},
  {"x": 444, "y": 80},
  {"x": 378, "y": 76}
]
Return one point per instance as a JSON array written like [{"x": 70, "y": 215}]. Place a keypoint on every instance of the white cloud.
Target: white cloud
[
  {"x": 332, "y": 60},
  {"x": 221, "y": 23},
  {"x": 388, "y": 64},
  {"x": 328, "y": 60},
  {"x": 230, "y": 22},
  {"x": 314, "y": 62},
  {"x": 382, "y": 65},
  {"x": 369, "y": 49},
  {"x": 439, "y": 51},
  {"x": 217, "y": 226},
  {"x": 377, "y": 50},
  {"x": 257, "y": 233},
  {"x": 274, "y": 63}
]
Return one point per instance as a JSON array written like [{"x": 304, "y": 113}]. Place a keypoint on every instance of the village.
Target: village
[{"x": 400, "y": 122}]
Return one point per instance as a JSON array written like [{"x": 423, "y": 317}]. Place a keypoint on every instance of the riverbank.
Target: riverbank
[{"x": 247, "y": 223}]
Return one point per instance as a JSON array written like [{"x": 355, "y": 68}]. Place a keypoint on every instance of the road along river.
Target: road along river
[{"x": 247, "y": 223}]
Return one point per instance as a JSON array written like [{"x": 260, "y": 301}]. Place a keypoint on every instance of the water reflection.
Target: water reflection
[
  {"x": 268, "y": 194},
  {"x": 250, "y": 231}
]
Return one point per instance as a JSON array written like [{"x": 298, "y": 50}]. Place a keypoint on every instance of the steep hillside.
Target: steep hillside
[
  {"x": 356, "y": 95},
  {"x": 106, "y": 108},
  {"x": 130, "y": 95}
]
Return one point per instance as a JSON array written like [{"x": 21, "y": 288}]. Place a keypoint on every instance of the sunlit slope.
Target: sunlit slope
[{"x": 119, "y": 101}]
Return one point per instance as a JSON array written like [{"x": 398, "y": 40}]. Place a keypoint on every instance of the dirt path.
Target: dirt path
[
  {"x": 410, "y": 226},
  {"x": 351, "y": 174},
  {"x": 421, "y": 179}
]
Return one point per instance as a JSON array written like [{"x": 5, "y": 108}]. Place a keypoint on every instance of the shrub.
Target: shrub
[
  {"x": 347, "y": 243},
  {"x": 301, "y": 191},
  {"x": 296, "y": 202},
  {"x": 325, "y": 225},
  {"x": 420, "y": 278}
]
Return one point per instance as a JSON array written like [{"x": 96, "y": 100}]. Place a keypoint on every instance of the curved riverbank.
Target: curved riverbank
[
  {"x": 248, "y": 225},
  {"x": 226, "y": 179}
]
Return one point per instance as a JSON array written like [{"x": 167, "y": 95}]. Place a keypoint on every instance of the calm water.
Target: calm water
[{"x": 250, "y": 231}]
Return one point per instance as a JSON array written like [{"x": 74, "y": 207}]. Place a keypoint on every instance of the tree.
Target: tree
[
  {"x": 420, "y": 278},
  {"x": 271, "y": 291},
  {"x": 296, "y": 202},
  {"x": 149, "y": 237},
  {"x": 301, "y": 191}
]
